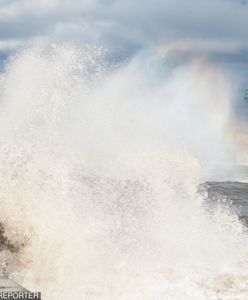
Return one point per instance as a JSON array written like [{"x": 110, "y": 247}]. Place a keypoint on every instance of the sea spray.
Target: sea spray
[{"x": 99, "y": 173}]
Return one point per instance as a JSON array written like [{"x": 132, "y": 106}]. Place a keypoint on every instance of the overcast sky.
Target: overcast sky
[{"x": 216, "y": 27}]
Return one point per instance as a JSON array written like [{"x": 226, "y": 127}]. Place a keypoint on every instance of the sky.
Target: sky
[{"x": 217, "y": 28}]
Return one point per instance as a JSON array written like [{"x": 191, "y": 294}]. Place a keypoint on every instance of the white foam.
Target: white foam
[{"x": 99, "y": 170}]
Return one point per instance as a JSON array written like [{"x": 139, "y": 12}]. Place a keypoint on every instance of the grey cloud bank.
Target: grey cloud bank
[{"x": 214, "y": 27}]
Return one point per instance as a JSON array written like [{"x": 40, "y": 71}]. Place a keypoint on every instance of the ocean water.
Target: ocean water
[
  {"x": 231, "y": 194},
  {"x": 101, "y": 167}
]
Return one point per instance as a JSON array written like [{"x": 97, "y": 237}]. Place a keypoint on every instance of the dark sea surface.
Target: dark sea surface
[{"x": 233, "y": 194}]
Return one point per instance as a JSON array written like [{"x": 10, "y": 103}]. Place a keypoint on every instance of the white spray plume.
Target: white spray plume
[{"x": 99, "y": 167}]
